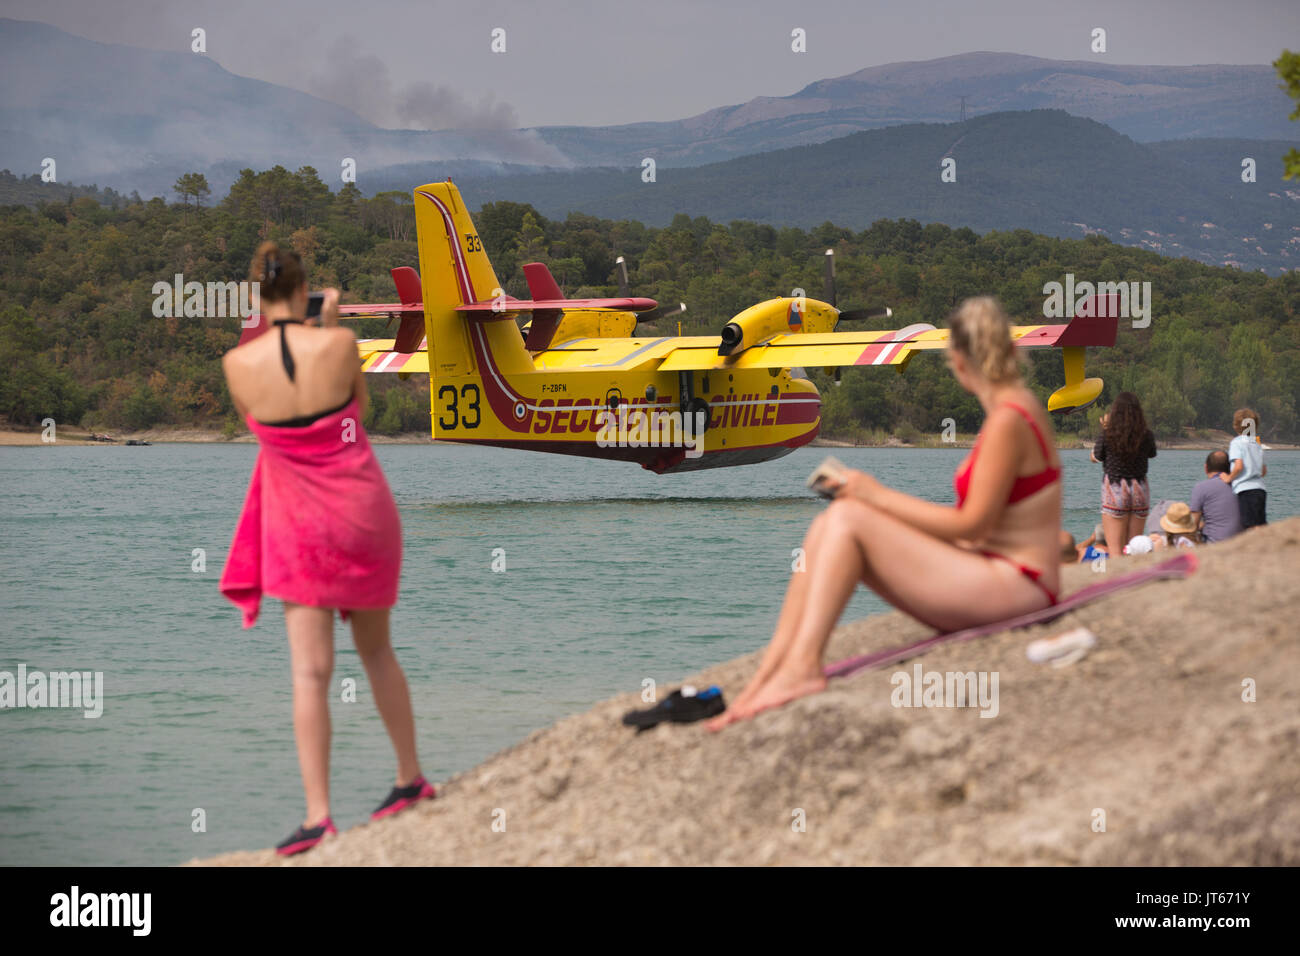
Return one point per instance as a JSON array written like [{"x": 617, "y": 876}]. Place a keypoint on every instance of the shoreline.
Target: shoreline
[
  {"x": 1061, "y": 444},
  {"x": 80, "y": 437}
]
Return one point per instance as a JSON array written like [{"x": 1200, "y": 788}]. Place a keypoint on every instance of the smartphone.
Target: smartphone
[
  {"x": 832, "y": 469},
  {"x": 314, "y": 302}
]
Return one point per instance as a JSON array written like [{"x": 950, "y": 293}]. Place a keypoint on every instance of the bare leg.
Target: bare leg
[
  {"x": 1117, "y": 532},
  {"x": 861, "y": 542},
  {"x": 392, "y": 697},
  {"x": 791, "y": 614},
  {"x": 1136, "y": 526},
  {"x": 791, "y": 610},
  {"x": 311, "y": 651}
]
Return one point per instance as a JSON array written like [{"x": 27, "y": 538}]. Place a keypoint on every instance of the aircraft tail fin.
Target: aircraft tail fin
[{"x": 455, "y": 271}]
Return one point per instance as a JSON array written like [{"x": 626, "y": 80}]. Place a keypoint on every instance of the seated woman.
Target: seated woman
[
  {"x": 1180, "y": 526},
  {"x": 991, "y": 556},
  {"x": 319, "y": 529}
]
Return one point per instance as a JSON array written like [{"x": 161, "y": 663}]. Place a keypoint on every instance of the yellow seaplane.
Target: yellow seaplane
[{"x": 576, "y": 380}]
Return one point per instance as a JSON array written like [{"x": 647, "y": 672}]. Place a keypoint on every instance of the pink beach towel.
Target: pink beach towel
[{"x": 319, "y": 525}]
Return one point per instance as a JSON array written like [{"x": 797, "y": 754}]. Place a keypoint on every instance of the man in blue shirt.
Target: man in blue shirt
[{"x": 1213, "y": 502}]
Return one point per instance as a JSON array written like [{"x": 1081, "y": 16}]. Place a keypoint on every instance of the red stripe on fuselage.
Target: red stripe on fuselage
[
  {"x": 798, "y": 413},
  {"x": 501, "y": 397}
]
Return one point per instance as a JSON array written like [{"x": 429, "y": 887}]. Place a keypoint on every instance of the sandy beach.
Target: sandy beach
[{"x": 1150, "y": 728}]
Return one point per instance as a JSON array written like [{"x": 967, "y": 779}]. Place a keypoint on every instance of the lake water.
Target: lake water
[{"x": 613, "y": 575}]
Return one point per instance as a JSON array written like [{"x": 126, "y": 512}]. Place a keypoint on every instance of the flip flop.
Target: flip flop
[{"x": 1062, "y": 650}]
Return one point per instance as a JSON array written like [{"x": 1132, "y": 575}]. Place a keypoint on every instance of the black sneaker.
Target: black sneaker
[
  {"x": 304, "y": 838},
  {"x": 403, "y": 797},
  {"x": 678, "y": 708}
]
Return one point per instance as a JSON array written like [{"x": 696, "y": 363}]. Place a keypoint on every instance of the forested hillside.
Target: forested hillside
[{"x": 79, "y": 341}]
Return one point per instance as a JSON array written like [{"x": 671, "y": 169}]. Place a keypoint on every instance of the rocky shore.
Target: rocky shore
[{"x": 1147, "y": 736}]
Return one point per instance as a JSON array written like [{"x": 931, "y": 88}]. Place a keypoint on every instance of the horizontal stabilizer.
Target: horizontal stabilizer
[{"x": 506, "y": 306}]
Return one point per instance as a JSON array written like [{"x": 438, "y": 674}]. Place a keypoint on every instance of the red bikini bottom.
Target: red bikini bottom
[{"x": 1032, "y": 573}]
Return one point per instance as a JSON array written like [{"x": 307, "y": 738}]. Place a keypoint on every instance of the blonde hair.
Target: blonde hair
[
  {"x": 981, "y": 331},
  {"x": 278, "y": 272}
]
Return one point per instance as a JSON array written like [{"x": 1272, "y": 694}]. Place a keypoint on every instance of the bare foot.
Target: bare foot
[
  {"x": 752, "y": 688},
  {"x": 720, "y": 721},
  {"x": 781, "y": 688},
  {"x": 741, "y": 702},
  {"x": 728, "y": 715}
]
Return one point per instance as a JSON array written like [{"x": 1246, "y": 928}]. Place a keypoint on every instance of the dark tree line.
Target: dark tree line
[{"x": 80, "y": 343}]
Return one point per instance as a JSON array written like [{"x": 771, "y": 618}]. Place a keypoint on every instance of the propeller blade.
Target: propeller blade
[
  {"x": 661, "y": 312},
  {"x": 622, "y": 277},
  {"x": 828, "y": 282},
  {"x": 852, "y": 315}
]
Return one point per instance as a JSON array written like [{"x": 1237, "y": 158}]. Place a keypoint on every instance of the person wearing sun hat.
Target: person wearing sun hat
[{"x": 1179, "y": 524}]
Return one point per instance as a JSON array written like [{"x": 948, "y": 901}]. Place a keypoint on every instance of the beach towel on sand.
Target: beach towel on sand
[
  {"x": 1176, "y": 567},
  {"x": 319, "y": 525}
]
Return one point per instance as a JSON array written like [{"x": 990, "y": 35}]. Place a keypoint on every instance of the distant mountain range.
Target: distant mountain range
[
  {"x": 1144, "y": 102},
  {"x": 851, "y": 149},
  {"x": 135, "y": 119},
  {"x": 1042, "y": 170}
]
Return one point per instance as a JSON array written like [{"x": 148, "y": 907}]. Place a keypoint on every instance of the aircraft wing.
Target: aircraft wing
[
  {"x": 891, "y": 347},
  {"x": 382, "y": 310},
  {"x": 379, "y": 355}
]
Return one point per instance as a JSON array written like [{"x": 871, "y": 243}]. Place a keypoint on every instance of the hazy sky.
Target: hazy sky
[{"x": 397, "y": 62}]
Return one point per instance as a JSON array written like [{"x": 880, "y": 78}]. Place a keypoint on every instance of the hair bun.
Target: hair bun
[{"x": 278, "y": 271}]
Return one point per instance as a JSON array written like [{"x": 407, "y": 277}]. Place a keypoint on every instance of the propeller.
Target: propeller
[
  {"x": 849, "y": 315},
  {"x": 661, "y": 312}
]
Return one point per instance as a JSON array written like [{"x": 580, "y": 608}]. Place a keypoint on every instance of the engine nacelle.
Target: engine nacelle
[{"x": 781, "y": 316}]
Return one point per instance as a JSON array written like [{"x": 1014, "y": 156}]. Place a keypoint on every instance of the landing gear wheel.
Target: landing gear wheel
[{"x": 699, "y": 405}]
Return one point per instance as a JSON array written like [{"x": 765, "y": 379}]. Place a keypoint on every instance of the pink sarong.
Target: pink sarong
[{"x": 319, "y": 525}]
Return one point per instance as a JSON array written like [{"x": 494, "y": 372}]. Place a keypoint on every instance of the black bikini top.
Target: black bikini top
[{"x": 287, "y": 359}]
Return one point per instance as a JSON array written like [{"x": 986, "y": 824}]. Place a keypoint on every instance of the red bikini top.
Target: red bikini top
[{"x": 1024, "y": 486}]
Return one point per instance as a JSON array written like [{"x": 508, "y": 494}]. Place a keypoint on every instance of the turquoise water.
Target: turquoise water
[{"x": 613, "y": 575}]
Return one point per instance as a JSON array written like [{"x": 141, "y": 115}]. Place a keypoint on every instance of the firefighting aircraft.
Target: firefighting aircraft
[{"x": 575, "y": 379}]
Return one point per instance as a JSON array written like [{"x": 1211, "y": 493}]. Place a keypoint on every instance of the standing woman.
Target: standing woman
[
  {"x": 995, "y": 554},
  {"x": 1124, "y": 449},
  {"x": 319, "y": 529}
]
